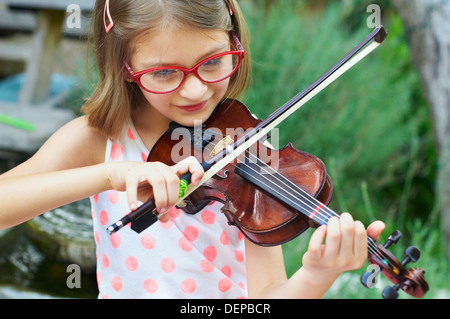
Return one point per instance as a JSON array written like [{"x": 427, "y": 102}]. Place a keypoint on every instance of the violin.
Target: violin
[{"x": 271, "y": 195}]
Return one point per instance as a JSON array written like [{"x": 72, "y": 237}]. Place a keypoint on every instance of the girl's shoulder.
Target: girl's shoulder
[
  {"x": 74, "y": 145},
  {"x": 84, "y": 144},
  {"x": 82, "y": 140}
]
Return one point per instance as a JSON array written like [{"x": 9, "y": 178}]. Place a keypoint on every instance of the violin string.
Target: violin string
[
  {"x": 293, "y": 187},
  {"x": 312, "y": 201},
  {"x": 322, "y": 211},
  {"x": 322, "y": 217}
]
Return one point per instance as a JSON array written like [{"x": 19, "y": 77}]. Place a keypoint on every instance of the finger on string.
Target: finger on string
[
  {"x": 360, "y": 244},
  {"x": 333, "y": 238},
  {"x": 316, "y": 241},
  {"x": 375, "y": 229},
  {"x": 347, "y": 228}
]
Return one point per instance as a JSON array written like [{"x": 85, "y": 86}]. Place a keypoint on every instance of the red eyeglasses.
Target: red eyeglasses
[{"x": 217, "y": 68}]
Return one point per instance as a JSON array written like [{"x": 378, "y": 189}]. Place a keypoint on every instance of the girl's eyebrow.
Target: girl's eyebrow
[{"x": 221, "y": 47}]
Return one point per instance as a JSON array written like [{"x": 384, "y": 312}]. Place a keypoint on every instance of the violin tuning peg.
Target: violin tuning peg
[
  {"x": 391, "y": 292},
  {"x": 393, "y": 239},
  {"x": 369, "y": 278},
  {"x": 412, "y": 254}
]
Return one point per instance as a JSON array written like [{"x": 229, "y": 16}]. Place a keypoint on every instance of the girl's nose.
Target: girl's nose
[{"x": 193, "y": 88}]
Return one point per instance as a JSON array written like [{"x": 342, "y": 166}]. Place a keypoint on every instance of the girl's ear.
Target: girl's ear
[{"x": 126, "y": 76}]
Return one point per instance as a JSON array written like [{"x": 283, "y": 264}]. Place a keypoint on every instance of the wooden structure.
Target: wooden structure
[{"x": 45, "y": 19}]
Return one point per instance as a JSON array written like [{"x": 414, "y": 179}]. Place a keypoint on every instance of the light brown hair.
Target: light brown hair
[{"x": 114, "y": 98}]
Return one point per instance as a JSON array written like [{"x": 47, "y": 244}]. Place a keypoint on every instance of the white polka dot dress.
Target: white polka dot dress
[{"x": 193, "y": 257}]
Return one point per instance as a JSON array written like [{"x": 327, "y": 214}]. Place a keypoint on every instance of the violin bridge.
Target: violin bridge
[{"x": 227, "y": 141}]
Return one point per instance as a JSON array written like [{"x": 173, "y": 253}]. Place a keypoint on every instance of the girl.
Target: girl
[{"x": 102, "y": 155}]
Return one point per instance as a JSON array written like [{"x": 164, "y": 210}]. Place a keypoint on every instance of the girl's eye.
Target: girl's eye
[
  {"x": 212, "y": 63},
  {"x": 164, "y": 74}
]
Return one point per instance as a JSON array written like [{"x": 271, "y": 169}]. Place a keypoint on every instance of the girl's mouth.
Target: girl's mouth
[{"x": 194, "y": 107}]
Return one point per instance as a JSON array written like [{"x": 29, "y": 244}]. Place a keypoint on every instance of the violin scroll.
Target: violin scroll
[{"x": 411, "y": 281}]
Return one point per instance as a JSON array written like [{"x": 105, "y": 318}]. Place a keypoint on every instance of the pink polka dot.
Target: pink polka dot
[
  {"x": 208, "y": 217},
  {"x": 97, "y": 237},
  {"x": 113, "y": 197},
  {"x": 190, "y": 232},
  {"x": 168, "y": 265},
  {"x": 239, "y": 255},
  {"x": 188, "y": 286},
  {"x": 225, "y": 284},
  {"x": 148, "y": 241},
  {"x": 131, "y": 263},
  {"x": 210, "y": 253},
  {"x": 174, "y": 212},
  {"x": 240, "y": 235},
  {"x": 206, "y": 266},
  {"x": 116, "y": 151},
  {"x": 226, "y": 270},
  {"x": 105, "y": 261},
  {"x": 241, "y": 284},
  {"x": 95, "y": 198},
  {"x": 99, "y": 277},
  {"x": 224, "y": 238},
  {"x": 151, "y": 286},
  {"x": 130, "y": 134},
  {"x": 144, "y": 156},
  {"x": 185, "y": 244},
  {"x": 103, "y": 217},
  {"x": 116, "y": 283},
  {"x": 115, "y": 240},
  {"x": 167, "y": 225}
]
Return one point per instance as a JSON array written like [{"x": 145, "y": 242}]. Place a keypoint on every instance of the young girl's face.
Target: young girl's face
[{"x": 194, "y": 100}]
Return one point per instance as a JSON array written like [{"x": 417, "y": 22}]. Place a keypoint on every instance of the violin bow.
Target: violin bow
[{"x": 145, "y": 215}]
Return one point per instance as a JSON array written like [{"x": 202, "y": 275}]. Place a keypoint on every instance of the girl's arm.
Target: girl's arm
[
  {"x": 339, "y": 247},
  {"x": 65, "y": 169},
  {"x": 70, "y": 166}
]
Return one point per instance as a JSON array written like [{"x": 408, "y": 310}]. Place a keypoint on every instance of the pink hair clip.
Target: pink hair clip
[
  {"x": 106, "y": 12},
  {"x": 231, "y": 10}
]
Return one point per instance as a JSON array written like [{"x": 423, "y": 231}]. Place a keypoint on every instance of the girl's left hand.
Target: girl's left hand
[{"x": 341, "y": 246}]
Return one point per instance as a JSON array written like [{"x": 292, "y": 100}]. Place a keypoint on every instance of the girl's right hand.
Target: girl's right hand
[{"x": 144, "y": 180}]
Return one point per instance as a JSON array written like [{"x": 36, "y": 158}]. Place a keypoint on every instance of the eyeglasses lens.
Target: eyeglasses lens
[{"x": 212, "y": 70}]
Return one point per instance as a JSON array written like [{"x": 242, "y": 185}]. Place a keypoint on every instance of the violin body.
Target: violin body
[{"x": 261, "y": 217}]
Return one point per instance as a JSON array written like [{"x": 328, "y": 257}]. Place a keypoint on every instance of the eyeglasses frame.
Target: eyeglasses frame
[{"x": 136, "y": 76}]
